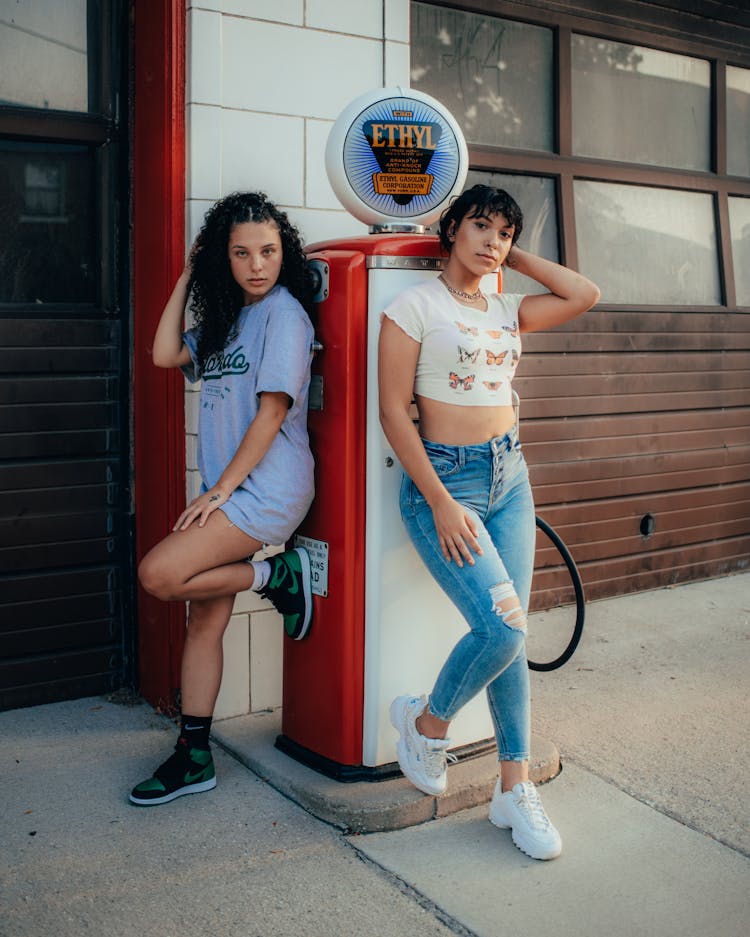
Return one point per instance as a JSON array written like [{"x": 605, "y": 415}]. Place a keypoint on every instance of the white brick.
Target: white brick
[
  {"x": 318, "y": 191},
  {"x": 397, "y": 65},
  {"x": 397, "y": 20},
  {"x": 280, "y": 11},
  {"x": 204, "y": 57},
  {"x": 317, "y": 225},
  {"x": 191, "y": 452},
  {"x": 295, "y": 71},
  {"x": 234, "y": 695},
  {"x": 192, "y": 485},
  {"x": 250, "y": 601},
  {"x": 204, "y": 151},
  {"x": 266, "y": 660},
  {"x": 262, "y": 151},
  {"x": 196, "y": 212},
  {"x": 355, "y": 17},
  {"x": 192, "y": 408}
]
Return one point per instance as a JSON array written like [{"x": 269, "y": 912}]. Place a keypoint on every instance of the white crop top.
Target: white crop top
[{"x": 468, "y": 357}]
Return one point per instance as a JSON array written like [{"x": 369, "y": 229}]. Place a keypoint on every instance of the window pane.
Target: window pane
[
  {"x": 43, "y": 54},
  {"x": 739, "y": 225},
  {"x": 639, "y": 105},
  {"x": 738, "y": 121},
  {"x": 47, "y": 247},
  {"x": 495, "y": 76},
  {"x": 648, "y": 246},
  {"x": 536, "y": 198}
]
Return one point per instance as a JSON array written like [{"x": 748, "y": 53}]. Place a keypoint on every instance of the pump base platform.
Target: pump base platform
[
  {"x": 351, "y": 773},
  {"x": 363, "y": 806}
]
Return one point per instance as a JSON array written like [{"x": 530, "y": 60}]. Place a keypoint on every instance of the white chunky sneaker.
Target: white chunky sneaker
[
  {"x": 521, "y": 810},
  {"x": 422, "y": 760}
]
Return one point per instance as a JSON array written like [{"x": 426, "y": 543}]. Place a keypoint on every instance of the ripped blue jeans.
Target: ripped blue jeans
[{"x": 491, "y": 481}]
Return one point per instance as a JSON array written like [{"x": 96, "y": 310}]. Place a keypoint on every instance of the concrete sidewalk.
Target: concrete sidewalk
[{"x": 651, "y": 719}]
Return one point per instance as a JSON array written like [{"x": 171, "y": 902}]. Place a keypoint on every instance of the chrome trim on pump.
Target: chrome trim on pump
[{"x": 388, "y": 262}]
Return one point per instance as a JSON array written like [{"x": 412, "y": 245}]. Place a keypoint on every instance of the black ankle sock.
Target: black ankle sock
[{"x": 195, "y": 731}]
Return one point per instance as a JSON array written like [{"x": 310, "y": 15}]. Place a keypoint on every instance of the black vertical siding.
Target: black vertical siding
[{"x": 62, "y": 543}]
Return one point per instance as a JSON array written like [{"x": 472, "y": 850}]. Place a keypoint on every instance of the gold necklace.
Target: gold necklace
[{"x": 469, "y": 297}]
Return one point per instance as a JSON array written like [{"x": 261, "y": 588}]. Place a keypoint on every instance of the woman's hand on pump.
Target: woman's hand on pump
[
  {"x": 201, "y": 508},
  {"x": 456, "y": 530}
]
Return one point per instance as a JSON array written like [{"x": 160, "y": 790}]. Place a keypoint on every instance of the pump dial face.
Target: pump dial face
[{"x": 396, "y": 157}]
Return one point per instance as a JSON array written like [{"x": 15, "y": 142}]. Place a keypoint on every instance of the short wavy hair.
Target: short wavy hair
[
  {"x": 216, "y": 297},
  {"x": 476, "y": 201}
]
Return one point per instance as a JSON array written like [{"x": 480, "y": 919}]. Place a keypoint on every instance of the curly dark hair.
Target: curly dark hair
[
  {"x": 476, "y": 201},
  {"x": 216, "y": 298}
]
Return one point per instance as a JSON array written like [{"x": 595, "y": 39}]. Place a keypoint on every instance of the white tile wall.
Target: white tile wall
[
  {"x": 280, "y": 11},
  {"x": 192, "y": 485},
  {"x": 266, "y": 80},
  {"x": 318, "y": 191},
  {"x": 250, "y": 601},
  {"x": 192, "y": 408},
  {"x": 263, "y": 151},
  {"x": 191, "y": 452},
  {"x": 266, "y": 659},
  {"x": 196, "y": 211},
  {"x": 397, "y": 20},
  {"x": 234, "y": 695},
  {"x": 317, "y": 225},
  {"x": 303, "y": 72},
  {"x": 356, "y": 17},
  {"x": 203, "y": 169},
  {"x": 204, "y": 56},
  {"x": 396, "y": 65}
]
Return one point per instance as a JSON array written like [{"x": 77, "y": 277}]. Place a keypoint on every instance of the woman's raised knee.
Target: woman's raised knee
[{"x": 158, "y": 578}]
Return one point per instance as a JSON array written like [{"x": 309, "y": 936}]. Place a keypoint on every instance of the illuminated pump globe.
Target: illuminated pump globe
[{"x": 396, "y": 156}]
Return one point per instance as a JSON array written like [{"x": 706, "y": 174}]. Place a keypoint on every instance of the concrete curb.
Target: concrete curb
[{"x": 367, "y": 806}]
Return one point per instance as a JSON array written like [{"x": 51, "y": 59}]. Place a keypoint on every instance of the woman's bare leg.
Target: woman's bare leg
[
  {"x": 207, "y": 566},
  {"x": 200, "y": 563},
  {"x": 511, "y": 772},
  {"x": 203, "y": 656}
]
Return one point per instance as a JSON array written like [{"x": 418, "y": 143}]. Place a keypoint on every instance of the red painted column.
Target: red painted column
[{"x": 158, "y": 256}]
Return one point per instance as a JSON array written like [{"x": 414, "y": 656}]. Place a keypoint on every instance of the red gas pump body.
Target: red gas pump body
[{"x": 324, "y": 674}]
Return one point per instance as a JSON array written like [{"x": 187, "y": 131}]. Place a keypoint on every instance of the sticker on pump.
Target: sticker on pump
[
  {"x": 396, "y": 155},
  {"x": 318, "y": 552}
]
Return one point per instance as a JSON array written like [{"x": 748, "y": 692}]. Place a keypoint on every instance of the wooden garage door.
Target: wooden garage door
[{"x": 64, "y": 513}]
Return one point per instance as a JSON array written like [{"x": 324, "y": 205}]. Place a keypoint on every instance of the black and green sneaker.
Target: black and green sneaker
[
  {"x": 290, "y": 590},
  {"x": 187, "y": 771}
]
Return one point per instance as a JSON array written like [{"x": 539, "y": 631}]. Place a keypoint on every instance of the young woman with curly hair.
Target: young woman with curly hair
[{"x": 251, "y": 347}]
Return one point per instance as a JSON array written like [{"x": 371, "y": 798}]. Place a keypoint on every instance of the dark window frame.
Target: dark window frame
[
  {"x": 667, "y": 31},
  {"x": 96, "y": 129}
]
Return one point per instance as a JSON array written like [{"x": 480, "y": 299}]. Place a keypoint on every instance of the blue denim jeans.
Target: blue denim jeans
[{"x": 491, "y": 481}]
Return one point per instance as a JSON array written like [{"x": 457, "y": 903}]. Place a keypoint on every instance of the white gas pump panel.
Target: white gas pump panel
[{"x": 410, "y": 624}]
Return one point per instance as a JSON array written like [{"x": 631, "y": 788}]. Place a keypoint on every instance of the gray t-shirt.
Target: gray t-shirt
[{"x": 270, "y": 349}]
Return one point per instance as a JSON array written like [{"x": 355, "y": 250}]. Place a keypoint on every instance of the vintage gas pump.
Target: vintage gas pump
[{"x": 382, "y": 626}]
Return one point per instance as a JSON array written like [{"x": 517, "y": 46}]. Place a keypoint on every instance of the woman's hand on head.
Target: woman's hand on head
[
  {"x": 201, "y": 508},
  {"x": 457, "y": 532}
]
